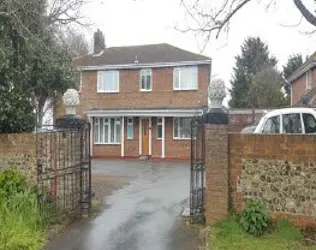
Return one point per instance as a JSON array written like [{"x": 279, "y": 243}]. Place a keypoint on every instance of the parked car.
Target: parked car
[
  {"x": 288, "y": 120},
  {"x": 249, "y": 129}
]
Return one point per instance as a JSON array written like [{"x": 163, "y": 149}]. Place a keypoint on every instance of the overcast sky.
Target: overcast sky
[{"x": 135, "y": 22}]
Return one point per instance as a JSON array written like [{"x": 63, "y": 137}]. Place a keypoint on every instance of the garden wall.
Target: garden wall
[
  {"x": 19, "y": 151},
  {"x": 279, "y": 169}
]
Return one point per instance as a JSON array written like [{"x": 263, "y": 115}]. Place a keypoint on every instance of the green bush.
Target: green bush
[
  {"x": 255, "y": 218},
  {"x": 12, "y": 181},
  {"x": 22, "y": 224}
]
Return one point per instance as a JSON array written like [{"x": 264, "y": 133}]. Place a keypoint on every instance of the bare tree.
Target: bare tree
[
  {"x": 76, "y": 42},
  {"x": 213, "y": 21},
  {"x": 49, "y": 14}
]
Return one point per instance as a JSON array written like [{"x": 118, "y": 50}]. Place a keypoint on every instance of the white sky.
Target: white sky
[{"x": 135, "y": 22}]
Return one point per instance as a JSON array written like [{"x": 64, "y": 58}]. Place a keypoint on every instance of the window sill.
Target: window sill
[
  {"x": 185, "y": 89},
  {"x": 181, "y": 139},
  {"x": 108, "y": 92},
  {"x": 159, "y": 139},
  {"x": 130, "y": 139},
  {"x": 107, "y": 144},
  {"x": 145, "y": 90}
]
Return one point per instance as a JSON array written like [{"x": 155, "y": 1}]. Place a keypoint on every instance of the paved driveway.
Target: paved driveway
[{"x": 141, "y": 216}]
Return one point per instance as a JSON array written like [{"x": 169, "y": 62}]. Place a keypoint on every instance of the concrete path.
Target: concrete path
[{"x": 144, "y": 215}]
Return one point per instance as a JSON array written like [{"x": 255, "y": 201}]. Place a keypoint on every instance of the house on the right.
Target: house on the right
[{"x": 303, "y": 84}]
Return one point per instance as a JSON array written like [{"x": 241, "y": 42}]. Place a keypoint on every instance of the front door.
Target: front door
[{"x": 145, "y": 136}]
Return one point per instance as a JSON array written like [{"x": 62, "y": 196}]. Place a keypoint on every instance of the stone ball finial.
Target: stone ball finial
[
  {"x": 71, "y": 100},
  {"x": 216, "y": 93}
]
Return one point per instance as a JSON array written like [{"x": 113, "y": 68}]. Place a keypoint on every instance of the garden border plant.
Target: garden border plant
[
  {"x": 255, "y": 217},
  {"x": 23, "y": 221}
]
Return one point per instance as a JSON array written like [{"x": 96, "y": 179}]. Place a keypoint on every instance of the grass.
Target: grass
[
  {"x": 229, "y": 235},
  {"x": 21, "y": 224}
]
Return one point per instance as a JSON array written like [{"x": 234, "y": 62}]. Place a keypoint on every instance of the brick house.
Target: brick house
[
  {"x": 303, "y": 84},
  {"x": 140, "y": 99}
]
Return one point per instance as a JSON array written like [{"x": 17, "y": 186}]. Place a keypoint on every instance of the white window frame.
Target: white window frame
[
  {"x": 101, "y": 89},
  {"x": 130, "y": 123},
  {"x": 173, "y": 126},
  {"x": 177, "y": 70},
  {"x": 80, "y": 81},
  {"x": 309, "y": 80},
  {"x": 107, "y": 122},
  {"x": 145, "y": 72},
  {"x": 159, "y": 123}
]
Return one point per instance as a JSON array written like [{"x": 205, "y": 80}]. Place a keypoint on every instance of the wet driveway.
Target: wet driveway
[{"x": 144, "y": 215}]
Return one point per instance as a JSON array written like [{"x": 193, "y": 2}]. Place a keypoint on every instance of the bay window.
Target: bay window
[{"x": 107, "y": 130}]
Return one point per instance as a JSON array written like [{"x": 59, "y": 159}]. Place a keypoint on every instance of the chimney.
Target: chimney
[{"x": 99, "y": 43}]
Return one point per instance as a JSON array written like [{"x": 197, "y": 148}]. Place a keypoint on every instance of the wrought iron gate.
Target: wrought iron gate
[
  {"x": 64, "y": 167},
  {"x": 197, "y": 171}
]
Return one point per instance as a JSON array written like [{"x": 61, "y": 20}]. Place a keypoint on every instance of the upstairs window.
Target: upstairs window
[
  {"x": 185, "y": 78},
  {"x": 108, "y": 81},
  {"x": 145, "y": 80}
]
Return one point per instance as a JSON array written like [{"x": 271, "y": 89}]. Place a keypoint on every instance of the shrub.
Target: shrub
[
  {"x": 12, "y": 181},
  {"x": 255, "y": 218},
  {"x": 22, "y": 223}
]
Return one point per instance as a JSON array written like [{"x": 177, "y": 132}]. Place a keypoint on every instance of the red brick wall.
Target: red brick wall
[
  {"x": 216, "y": 169},
  {"x": 162, "y": 94},
  {"x": 238, "y": 121},
  {"x": 298, "y": 89},
  {"x": 180, "y": 148},
  {"x": 294, "y": 149},
  {"x": 102, "y": 150}
]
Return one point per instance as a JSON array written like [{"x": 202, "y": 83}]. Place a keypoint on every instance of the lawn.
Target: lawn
[{"x": 229, "y": 235}]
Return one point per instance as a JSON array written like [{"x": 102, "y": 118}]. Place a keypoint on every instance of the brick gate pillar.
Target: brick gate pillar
[{"x": 216, "y": 155}]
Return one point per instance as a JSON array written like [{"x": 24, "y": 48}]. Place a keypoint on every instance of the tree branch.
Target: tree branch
[{"x": 305, "y": 12}]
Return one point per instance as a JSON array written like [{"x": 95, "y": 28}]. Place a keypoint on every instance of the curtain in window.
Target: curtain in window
[
  {"x": 185, "y": 78},
  {"x": 108, "y": 81}
]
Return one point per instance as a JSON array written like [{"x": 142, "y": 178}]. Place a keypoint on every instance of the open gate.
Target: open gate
[
  {"x": 64, "y": 167},
  {"x": 197, "y": 171}
]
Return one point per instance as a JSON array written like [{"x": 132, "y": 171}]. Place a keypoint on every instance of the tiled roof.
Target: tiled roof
[
  {"x": 310, "y": 62},
  {"x": 142, "y": 54}
]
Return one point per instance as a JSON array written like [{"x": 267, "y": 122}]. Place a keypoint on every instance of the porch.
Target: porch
[{"x": 154, "y": 133}]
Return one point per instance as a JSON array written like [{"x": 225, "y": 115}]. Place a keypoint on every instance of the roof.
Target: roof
[
  {"x": 147, "y": 112},
  {"x": 289, "y": 111},
  {"x": 309, "y": 97},
  {"x": 142, "y": 54},
  {"x": 309, "y": 64}
]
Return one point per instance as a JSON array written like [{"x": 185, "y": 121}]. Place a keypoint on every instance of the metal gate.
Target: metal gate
[
  {"x": 64, "y": 167},
  {"x": 197, "y": 171}
]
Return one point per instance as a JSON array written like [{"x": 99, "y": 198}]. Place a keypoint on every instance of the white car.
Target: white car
[{"x": 288, "y": 121}]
